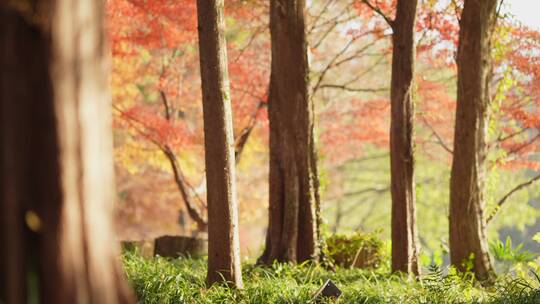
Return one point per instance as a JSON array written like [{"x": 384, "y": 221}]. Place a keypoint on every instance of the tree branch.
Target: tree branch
[
  {"x": 182, "y": 185},
  {"x": 346, "y": 88},
  {"x": 505, "y": 198},
  {"x": 333, "y": 63},
  {"x": 378, "y": 10},
  {"x": 316, "y": 19},
  {"x": 375, "y": 190},
  {"x": 439, "y": 139},
  {"x": 501, "y": 138},
  {"x": 165, "y": 104},
  {"x": 330, "y": 64},
  {"x": 523, "y": 146},
  {"x": 242, "y": 138}
]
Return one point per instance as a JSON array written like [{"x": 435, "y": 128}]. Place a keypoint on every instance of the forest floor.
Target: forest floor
[{"x": 160, "y": 280}]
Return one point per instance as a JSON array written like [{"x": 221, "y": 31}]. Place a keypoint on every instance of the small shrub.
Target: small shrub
[
  {"x": 359, "y": 250},
  {"x": 506, "y": 252},
  {"x": 516, "y": 291},
  {"x": 508, "y": 257}
]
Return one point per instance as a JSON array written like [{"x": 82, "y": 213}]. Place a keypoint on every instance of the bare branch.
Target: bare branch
[
  {"x": 378, "y": 10},
  {"x": 259, "y": 30},
  {"x": 505, "y": 198},
  {"x": 523, "y": 146},
  {"x": 165, "y": 105},
  {"x": 334, "y": 22},
  {"x": 356, "y": 54},
  {"x": 242, "y": 138},
  {"x": 331, "y": 63},
  {"x": 367, "y": 190},
  {"x": 366, "y": 71},
  {"x": 439, "y": 138},
  {"x": 347, "y": 88},
  {"x": 334, "y": 62},
  {"x": 501, "y": 138},
  {"x": 182, "y": 185},
  {"x": 316, "y": 20}
]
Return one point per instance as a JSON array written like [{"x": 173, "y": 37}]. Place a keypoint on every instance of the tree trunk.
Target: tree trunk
[
  {"x": 56, "y": 166},
  {"x": 293, "y": 212},
  {"x": 467, "y": 222},
  {"x": 404, "y": 232},
  {"x": 175, "y": 246},
  {"x": 223, "y": 239}
]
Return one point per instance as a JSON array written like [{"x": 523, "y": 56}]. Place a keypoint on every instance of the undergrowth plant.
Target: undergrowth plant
[{"x": 160, "y": 280}]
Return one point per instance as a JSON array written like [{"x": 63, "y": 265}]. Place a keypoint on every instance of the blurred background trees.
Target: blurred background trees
[{"x": 154, "y": 55}]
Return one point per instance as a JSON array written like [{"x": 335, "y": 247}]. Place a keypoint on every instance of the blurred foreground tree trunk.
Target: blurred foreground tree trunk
[
  {"x": 467, "y": 200},
  {"x": 223, "y": 238},
  {"x": 404, "y": 231},
  {"x": 294, "y": 199},
  {"x": 56, "y": 166}
]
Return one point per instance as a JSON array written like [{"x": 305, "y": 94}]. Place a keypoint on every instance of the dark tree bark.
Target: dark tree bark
[
  {"x": 223, "y": 239},
  {"x": 404, "y": 232},
  {"x": 293, "y": 210},
  {"x": 467, "y": 221},
  {"x": 56, "y": 166}
]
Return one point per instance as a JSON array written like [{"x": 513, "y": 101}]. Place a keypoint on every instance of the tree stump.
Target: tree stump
[
  {"x": 175, "y": 246},
  {"x": 366, "y": 257}
]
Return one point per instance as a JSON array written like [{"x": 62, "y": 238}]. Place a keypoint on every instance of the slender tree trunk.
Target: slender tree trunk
[
  {"x": 467, "y": 222},
  {"x": 293, "y": 212},
  {"x": 404, "y": 232},
  {"x": 56, "y": 167},
  {"x": 223, "y": 239}
]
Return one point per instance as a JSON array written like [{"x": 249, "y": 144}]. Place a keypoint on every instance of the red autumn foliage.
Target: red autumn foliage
[{"x": 155, "y": 55}]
